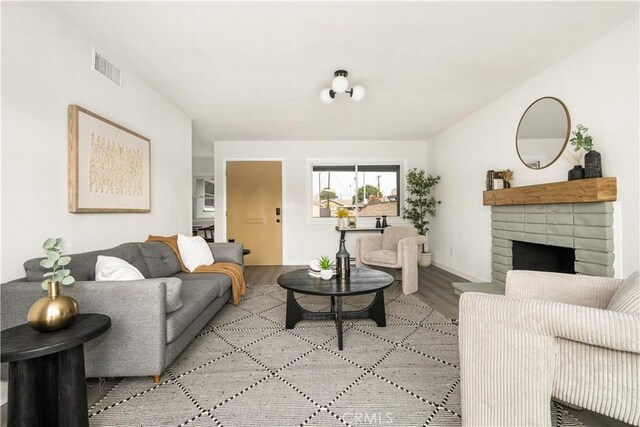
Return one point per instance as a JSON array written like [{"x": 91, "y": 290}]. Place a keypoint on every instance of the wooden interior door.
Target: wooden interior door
[{"x": 254, "y": 209}]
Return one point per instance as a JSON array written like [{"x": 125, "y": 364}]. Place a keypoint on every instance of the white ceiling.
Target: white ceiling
[{"x": 254, "y": 70}]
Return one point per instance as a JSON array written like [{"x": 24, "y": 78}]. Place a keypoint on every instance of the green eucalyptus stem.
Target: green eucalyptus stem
[
  {"x": 57, "y": 262},
  {"x": 581, "y": 139}
]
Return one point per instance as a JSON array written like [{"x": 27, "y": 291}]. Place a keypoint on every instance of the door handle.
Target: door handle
[{"x": 277, "y": 211}]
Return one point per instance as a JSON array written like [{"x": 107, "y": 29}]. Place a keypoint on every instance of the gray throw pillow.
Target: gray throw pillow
[
  {"x": 174, "y": 287},
  {"x": 627, "y": 297}
]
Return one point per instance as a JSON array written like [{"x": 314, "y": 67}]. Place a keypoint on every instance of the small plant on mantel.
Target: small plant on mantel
[
  {"x": 581, "y": 139},
  {"x": 421, "y": 205},
  {"x": 507, "y": 177},
  {"x": 592, "y": 160}
]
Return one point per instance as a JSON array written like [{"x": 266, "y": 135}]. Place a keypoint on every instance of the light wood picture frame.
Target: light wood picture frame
[{"x": 109, "y": 165}]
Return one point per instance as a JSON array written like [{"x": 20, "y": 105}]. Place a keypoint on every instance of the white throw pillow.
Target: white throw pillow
[
  {"x": 194, "y": 252},
  {"x": 627, "y": 297},
  {"x": 112, "y": 268}
]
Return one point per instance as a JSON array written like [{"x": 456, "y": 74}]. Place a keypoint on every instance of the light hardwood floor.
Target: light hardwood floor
[{"x": 434, "y": 289}]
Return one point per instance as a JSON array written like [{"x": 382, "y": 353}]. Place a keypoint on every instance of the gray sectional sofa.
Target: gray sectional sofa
[{"x": 152, "y": 320}]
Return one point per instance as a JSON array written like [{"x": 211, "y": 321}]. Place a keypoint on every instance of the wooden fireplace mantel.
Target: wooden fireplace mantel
[{"x": 578, "y": 191}]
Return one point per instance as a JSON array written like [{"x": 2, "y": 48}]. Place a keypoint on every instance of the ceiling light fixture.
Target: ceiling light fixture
[{"x": 340, "y": 84}]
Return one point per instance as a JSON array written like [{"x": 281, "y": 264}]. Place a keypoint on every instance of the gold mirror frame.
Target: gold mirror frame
[{"x": 566, "y": 137}]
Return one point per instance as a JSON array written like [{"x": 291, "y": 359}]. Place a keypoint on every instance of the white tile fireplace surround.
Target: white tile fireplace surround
[{"x": 585, "y": 227}]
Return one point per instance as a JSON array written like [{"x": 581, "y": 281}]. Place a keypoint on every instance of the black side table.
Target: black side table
[{"x": 46, "y": 372}]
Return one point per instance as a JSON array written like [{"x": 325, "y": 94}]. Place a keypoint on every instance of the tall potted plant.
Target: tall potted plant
[{"x": 420, "y": 205}]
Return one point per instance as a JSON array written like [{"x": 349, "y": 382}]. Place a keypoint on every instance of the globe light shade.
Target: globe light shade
[
  {"x": 357, "y": 93},
  {"x": 325, "y": 96},
  {"x": 339, "y": 84}
]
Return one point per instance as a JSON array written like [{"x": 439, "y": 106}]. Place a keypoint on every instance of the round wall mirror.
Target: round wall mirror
[{"x": 543, "y": 132}]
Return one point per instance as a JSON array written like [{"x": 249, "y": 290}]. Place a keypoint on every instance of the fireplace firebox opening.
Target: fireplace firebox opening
[{"x": 532, "y": 256}]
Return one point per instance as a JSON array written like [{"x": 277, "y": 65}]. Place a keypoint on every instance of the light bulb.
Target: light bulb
[
  {"x": 325, "y": 96},
  {"x": 339, "y": 84},
  {"x": 357, "y": 93}
]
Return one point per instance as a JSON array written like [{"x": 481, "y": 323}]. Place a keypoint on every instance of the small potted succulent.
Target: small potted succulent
[
  {"x": 325, "y": 267},
  {"x": 54, "y": 311},
  {"x": 343, "y": 218}
]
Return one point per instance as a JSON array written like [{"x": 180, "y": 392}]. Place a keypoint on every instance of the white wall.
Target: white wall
[
  {"x": 599, "y": 84},
  {"x": 46, "y": 65},
  {"x": 202, "y": 166},
  {"x": 304, "y": 240}
]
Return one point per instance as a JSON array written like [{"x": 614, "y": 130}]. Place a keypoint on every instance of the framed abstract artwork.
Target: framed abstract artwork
[{"x": 109, "y": 165}]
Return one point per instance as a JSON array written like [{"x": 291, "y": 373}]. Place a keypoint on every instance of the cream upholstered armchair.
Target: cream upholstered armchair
[
  {"x": 569, "y": 337},
  {"x": 397, "y": 247}
]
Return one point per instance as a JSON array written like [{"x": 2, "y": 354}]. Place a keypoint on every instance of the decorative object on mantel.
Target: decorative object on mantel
[
  {"x": 592, "y": 164},
  {"x": 384, "y": 221},
  {"x": 592, "y": 160},
  {"x": 575, "y": 159},
  {"x": 340, "y": 84},
  {"x": 580, "y": 191},
  {"x": 421, "y": 204},
  {"x": 543, "y": 132},
  {"x": 109, "y": 165},
  {"x": 54, "y": 311},
  {"x": 352, "y": 222},
  {"x": 378, "y": 223},
  {"x": 576, "y": 173},
  {"x": 488, "y": 182},
  {"x": 497, "y": 180},
  {"x": 343, "y": 218},
  {"x": 507, "y": 177},
  {"x": 498, "y": 183}
]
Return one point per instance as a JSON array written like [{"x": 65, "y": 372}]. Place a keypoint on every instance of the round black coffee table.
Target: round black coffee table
[
  {"x": 46, "y": 372},
  {"x": 362, "y": 281}
]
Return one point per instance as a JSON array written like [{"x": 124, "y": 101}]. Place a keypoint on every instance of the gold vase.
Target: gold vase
[{"x": 53, "y": 312}]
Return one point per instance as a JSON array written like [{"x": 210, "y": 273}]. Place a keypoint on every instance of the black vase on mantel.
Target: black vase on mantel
[
  {"x": 343, "y": 267},
  {"x": 576, "y": 173},
  {"x": 592, "y": 165}
]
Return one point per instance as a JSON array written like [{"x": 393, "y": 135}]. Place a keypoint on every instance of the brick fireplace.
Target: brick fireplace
[
  {"x": 569, "y": 214},
  {"x": 585, "y": 227}
]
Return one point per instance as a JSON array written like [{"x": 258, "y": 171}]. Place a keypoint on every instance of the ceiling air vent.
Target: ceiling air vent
[{"x": 106, "y": 68}]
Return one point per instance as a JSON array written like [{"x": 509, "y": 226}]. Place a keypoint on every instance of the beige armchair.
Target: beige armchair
[
  {"x": 397, "y": 247},
  {"x": 550, "y": 336}
]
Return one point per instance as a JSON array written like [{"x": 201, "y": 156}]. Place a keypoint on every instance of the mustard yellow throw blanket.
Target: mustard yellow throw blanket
[{"x": 234, "y": 271}]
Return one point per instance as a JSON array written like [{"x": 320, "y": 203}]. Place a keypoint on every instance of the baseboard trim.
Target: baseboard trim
[{"x": 457, "y": 272}]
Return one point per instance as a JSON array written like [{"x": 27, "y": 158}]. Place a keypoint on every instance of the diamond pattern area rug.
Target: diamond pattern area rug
[{"x": 246, "y": 369}]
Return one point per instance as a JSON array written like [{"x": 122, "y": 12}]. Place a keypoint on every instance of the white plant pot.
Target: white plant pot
[
  {"x": 343, "y": 222},
  {"x": 326, "y": 274},
  {"x": 425, "y": 259}
]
